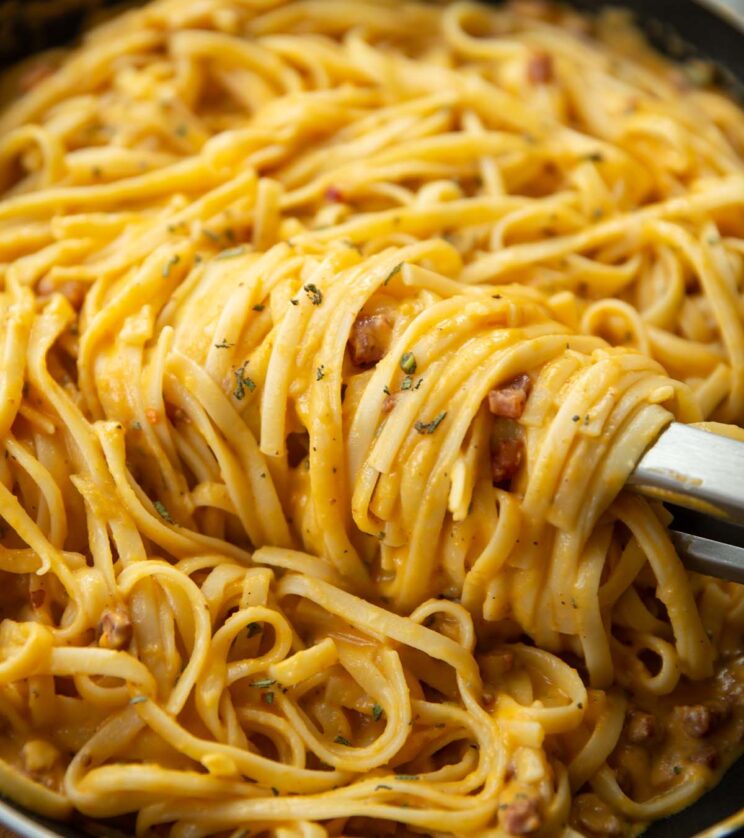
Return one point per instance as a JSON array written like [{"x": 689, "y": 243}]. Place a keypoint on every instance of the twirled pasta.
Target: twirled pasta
[{"x": 331, "y": 333}]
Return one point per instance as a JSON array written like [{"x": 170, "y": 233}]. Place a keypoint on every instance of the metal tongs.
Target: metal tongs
[{"x": 701, "y": 476}]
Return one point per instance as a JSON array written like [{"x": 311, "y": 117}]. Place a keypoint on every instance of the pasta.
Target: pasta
[{"x": 330, "y": 335}]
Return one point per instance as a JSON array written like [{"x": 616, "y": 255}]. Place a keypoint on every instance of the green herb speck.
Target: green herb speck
[
  {"x": 408, "y": 363},
  {"x": 163, "y": 512},
  {"x": 242, "y": 382},
  {"x": 430, "y": 427},
  {"x": 314, "y": 293}
]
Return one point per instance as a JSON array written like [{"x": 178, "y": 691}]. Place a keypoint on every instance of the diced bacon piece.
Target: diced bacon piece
[
  {"x": 540, "y": 68},
  {"x": 641, "y": 727},
  {"x": 699, "y": 720},
  {"x": 506, "y": 459},
  {"x": 389, "y": 403},
  {"x": 596, "y": 818},
  {"x": 509, "y": 400},
  {"x": 708, "y": 757},
  {"x": 369, "y": 339},
  {"x": 37, "y": 597},
  {"x": 521, "y": 816},
  {"x": 334, "y": 195},
  {"x": 114, "y": 629}
]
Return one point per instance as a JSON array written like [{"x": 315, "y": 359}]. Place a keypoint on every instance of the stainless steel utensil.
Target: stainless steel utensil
[{"x": 703, "y": 472}]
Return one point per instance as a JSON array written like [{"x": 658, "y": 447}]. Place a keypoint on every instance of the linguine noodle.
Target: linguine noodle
[{"x": 331, "y": 332}]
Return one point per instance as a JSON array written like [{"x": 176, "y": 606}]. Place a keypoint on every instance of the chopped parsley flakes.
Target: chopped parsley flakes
[
  {"x": 430, "y": 427},
  {"x": 314, "y": 293},
  {"x": 242, "y": 382},
  {"x": 163, "y": 512}
]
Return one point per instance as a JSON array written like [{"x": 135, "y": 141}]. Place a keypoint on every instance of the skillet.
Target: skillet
[{"x": 680, "y": 28}]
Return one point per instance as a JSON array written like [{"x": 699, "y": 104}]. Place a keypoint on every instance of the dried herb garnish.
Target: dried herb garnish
[
  {"x": 163, "y": 512},
  {"x": 430, "y": 427},
  {"x": 314, "y": 293},
  {"x": 242, "y": 382}
]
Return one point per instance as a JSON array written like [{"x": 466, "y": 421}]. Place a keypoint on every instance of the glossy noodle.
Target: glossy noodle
[{"x": 331, "y": 333}]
